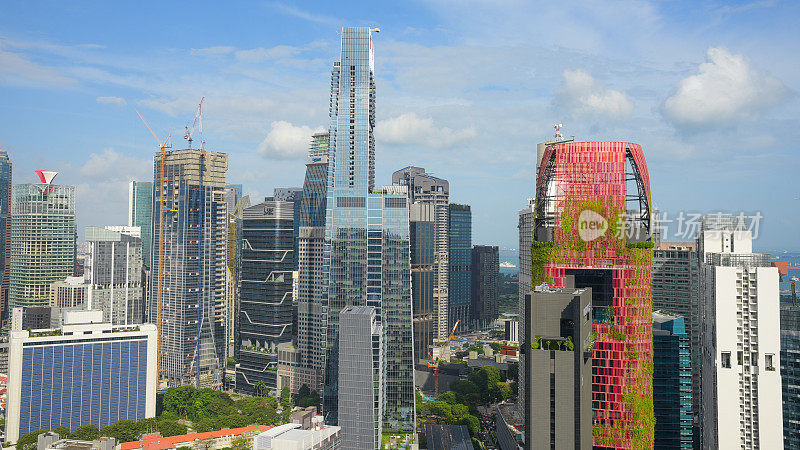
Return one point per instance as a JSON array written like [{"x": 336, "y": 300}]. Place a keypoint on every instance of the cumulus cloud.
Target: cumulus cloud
[
  {"x": 726, "y": 89},
  {"x": 583, "y": 96},
  {"x": 113, "y": 166},
  {"x": 119, "y": 101},
  {"x": 408, "y": 128},
  {"x": 285, "y": 141}
]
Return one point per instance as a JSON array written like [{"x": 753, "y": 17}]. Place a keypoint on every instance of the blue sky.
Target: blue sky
[{"x": 465, "y": 89}]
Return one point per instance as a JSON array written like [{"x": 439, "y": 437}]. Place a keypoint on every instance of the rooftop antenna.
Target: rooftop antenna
[{"x": 559, "y": 136}]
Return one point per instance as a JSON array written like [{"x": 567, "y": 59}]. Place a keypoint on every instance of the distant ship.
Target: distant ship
[{"x": 507, "y": 265}]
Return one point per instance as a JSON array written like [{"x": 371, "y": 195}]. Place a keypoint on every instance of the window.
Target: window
[
  {"x": 726, "y": 360},
  {"x": 768, "y": 362}
]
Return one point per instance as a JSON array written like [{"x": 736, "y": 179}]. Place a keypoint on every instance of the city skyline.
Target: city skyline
[{"x": 263, "y": 88}]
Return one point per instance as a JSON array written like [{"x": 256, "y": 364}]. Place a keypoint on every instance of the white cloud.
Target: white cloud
[
  {"x": 583, "y": 96},
  {"x": 119, "y": 101},
  {"x": 18, "y": 69},
  {"x": 726, "y": 89},
  {"x": 264, "y": 54},
  {"x": 217, "y": 50},
  {"x": 408, "y": 129},
  {"x": 113, "y": 166},
  {"x": 286, "y": 141}
]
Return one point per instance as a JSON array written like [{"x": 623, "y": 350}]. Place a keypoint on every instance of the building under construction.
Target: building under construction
[{"x": 188, "y": 266}]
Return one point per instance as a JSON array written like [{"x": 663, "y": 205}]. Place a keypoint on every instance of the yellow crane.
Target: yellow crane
[
  {"x": 162, "y": 146},
  {"x": 434, "y": 363}
]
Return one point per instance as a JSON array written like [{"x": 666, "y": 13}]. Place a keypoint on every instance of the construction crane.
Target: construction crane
[
  {"x": 794, "y": 290},
  {"x": 434, "y": 362},
  {"x": 162, "y": 156},
  {"x": 197, "y": 123}
]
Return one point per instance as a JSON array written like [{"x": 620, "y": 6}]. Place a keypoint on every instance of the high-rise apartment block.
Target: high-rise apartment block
[
  {"x": 5, "y": 231},
  {"x": 42, "y": 240},
  {"x": 361, "y": 377},
  {"x": 790, "y": 374},
  {"x": 589, "y": 195},
  {"x": 114, "y": 273},
  {"x": 424, "y": 188},
  {"x": 187, "y": 298},
  {"x": 69, "y": 293},
  {"x": 676, "y": 290},
  {"x": 485, "y": 285},
  {"x": 366, "y": 254},
  {"x": 86, "y": 373},
  {"x": 265, "y": 297},
  {"x": 672, "y": 382},
  {"x": 558, "y": 366},
  {"x": 140, "y": 213},
  {"x": 741, "y": 405},
  {"x": 460, "y": 284}
]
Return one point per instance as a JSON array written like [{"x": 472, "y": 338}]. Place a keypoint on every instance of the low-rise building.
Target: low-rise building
[
  {"x": 295, "y": 436},
  {"x": 211, "y": 440}
]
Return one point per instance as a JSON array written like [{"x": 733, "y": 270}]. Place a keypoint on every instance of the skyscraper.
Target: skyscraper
[
  {"x": 5, "y": 232},
  {"x": 460, "y": 283},
  {"x": 676, "y": 289},
  {"x": 187, "y": 298},
  {"x": 558, "y": 398},
  {"x": 265, "y": 297},
  {"x": 114, "y": 274},
  {"x": 43, "y": 237},
  {"x": 672, "y": 382},
  {"x": 421, "y": 224},
  {"x": 589, "y": 195},
  {"x": 140, "y": 213},
  {"x": 361, "y": 378},
  {"x": 525, "y": 226},
  {"x": 484, "y": 301},
  {"x": 426, "y": 189},
  {"x": 741, "y": 406},
  {"x": 311, "y": 240},
  {"x": 366, "y": 254},
  {"x": 790, "y": 374}
]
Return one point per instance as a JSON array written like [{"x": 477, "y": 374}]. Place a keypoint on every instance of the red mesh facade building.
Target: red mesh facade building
[{"x": 592, "y": 222}]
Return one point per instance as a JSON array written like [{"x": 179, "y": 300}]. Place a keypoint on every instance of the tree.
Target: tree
[
  {"x": 472, "y": 423},
  {"x": 123, "y": 431},
  {"x": 207, "y": 424},
  {"x": 86, "y": 433},
  {"x": 208, "y": 403},
  {"x": 304, "y": 391},
  {"x": 241, "y": 443},
  {"x": 449, "y": 397},
  {"x": 286, "y": 398},
  {"x": 169, "y": 428},
  {"x": 513, "y": 371},
  {"x": 177, "y": 399},
  {"x": 62, "y": 431},
  {"x": 28, "y": 441},
  {"x": 503, "y": 390}
]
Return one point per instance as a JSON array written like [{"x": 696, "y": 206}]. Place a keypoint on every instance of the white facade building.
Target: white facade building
[{"x": 741, "y": 404}]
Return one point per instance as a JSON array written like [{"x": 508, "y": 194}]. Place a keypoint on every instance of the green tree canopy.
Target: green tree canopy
[
  {"x": 169, "y": 428},
  {"x": 123, "y": 431},
  {"x": 62, "y": 431},
  {"x": 472, "y": 423},
  {"x": 28, "y": 440},
  {"x": 86, "y": 433}
]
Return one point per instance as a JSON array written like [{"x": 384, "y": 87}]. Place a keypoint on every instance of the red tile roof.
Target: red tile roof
[{"x": 156, "y": 442}]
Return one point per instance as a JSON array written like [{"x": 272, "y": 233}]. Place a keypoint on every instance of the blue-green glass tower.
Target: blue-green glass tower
[
  {"x": 366, "y": 258},
  {"x": 5, "y": 230},
  {"x": 790, "y": 374},
  {"x": 140, "y": 213},
  {"x": 460, "y": 266},
  {"x": 672, "y": 382}
]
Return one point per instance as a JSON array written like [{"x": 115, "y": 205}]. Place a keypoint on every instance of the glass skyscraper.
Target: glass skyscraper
[
  {"x": 672, "y": 382},
  {"x": 265, "y": 294},
  {"x": 140, "y": 213},
  {"x": 460, "y": 266},
  {"x": 366, "y": 253},
  {"x": 484, "y": 302},
  {"x": 42, "y": 240},
  {"x": 790, "y": 374},
  {"x": 187, "y": 285},
  {"x": 5, "y": 231}
]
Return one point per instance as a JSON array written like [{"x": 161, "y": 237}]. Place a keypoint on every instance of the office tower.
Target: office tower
[
  {"x": 790, "y": 374},
  {"x": 366, "y": 254},
  {"x": 741, "y": 406},
  {"x": 295, "y": 196},
  {"x": 5, "y": 231},
  {"x": 422, "y": 225},
  {"x": 485, "y": 285},
  {"x": 69, "y": 292},
  {"x": 42, "y": 239},
  {"x": 33, "y": 317},
  {"x": 140, "y": 213},
  {"x": 460, "y": 283},
  {"x": 672, "y": 382},
  {"x": 235, "y": 205},
  {"x": 114, "y": 274},
  {"x": 311, "y": 240},
  {"x": 583, "y": 191},
  {"x": 426, "y": 189},
  {"x": 265, "y": 295},
  {"x": 525, "y": 226},
  {"x": 91, "y": 373},
  {"x": 558, "y": 399},
  {"x": 187, "y": 298},
  {"x": 676, "y": 290},
  {"x": 361, "y": 378},
  {"x": 237, "y": 188}
]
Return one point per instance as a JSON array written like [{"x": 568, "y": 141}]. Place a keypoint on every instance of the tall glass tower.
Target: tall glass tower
[
  {"x": 140, "y": 212},
  {"x": 5, "y": 229},
  {"x": 366, "y": 258}
]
